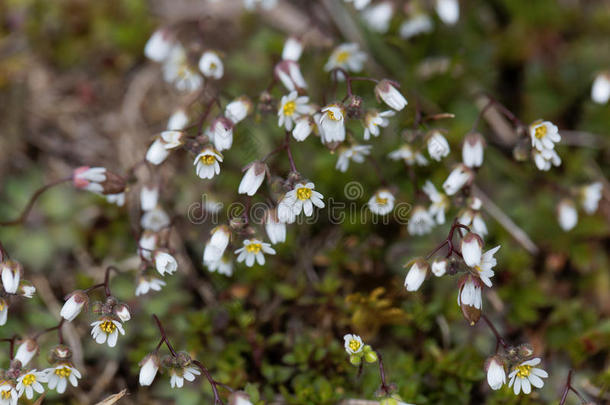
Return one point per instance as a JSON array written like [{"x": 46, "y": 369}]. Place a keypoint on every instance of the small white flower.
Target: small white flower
[
  {"x": 496, "y": 375},
  {"x": 254, "y": 249},
  {"x": 415, "y": 25},
  {"x": 206, "y": 163},
  {"x": 117, "y": 199},
  {"x": 303, "y": 128},
  {"x": 590, "y": 195},
  {"x": 155, "y": 220},
  {"x": 440, "y": 202},
  {"x": 544, "y": 135},
  {"x": 331, "y": 124},
  {"x": 224, "y": 265},
  {"x": 159, "y": 45},
  {"x": 438, "y": 147},
  {"x": 285, "y": 212},
  {"x": 147, "y": 244},
  {"x": 567, "y": 214},
  {"x": 30, "y": 381},
  {"x": 373, "y": 120},
  {"x": 179, "y": 375},
  {"x": 26, "y": 351},
  {"x": 165, "y": 263},
  {"x": 149, "y": 366},
  {"x": 303, "y": 197},
  {"x": 359, "y": 4},
  {"x": 386, "y": 91},
  {"x": 472, "y": 150},
  {"x": 347, "y": 56},
  {"x": 473, "y": 218},
  {"x": 458, "y": 178},
  {"x": 177, "y": 121},
  {"x": 146, "y": 284},
  {"x": 217, "y": 244},
  {"x": 8, "y": 393},
  {"x": 289, "y": 73},
  {"x": 378, "y": 16},
  {"x": 253, "y": 178},
  {"x": 59, "y": 376},
  {"x": 291, "y": 107},
  {"x": 90, "y": 178},
  {"x": 11, "y": 275},
  {"x": 353, "y": 344},
  {"x": 355, "y": 153},
  {"x": 106, "y": 330},
  {"x": 472, "y": 249},
  {"x": 220, "y": 133},
  {"x": 149, "y": 196},
  {"x": 408, "y": 155},
  {"x": 3, "y": 311},
  {"x": 238, "y": 109},
  {"x": 470, "y": 294},
  {"x": 448, "y": 11},
  {"x": 26, "y": 289},
  {"x": 211, "y": 65},
  {"x": 525, "y": 375},
  {"x": 421, "y": 221},
  {"x": 600, "y": 91},
  {"x": 293, "y": 48},
  {"x": 177, "y": 70},
  {"x": 546, "y": 159},
  {"x": 416, "y": 275},
  {"x": 276, "y": 230},
  {"x": 484, "y": 268},
  {"x": 159, "y": 150},
  {"x": 439, "y": 267},
  {"x": 74, "y": 305},
  {"x": 122, "y": 312},
  {"x": 382, "y": 202}
]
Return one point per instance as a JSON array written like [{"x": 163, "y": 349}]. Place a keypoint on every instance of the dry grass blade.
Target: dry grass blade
[{"x": 112, "y": 399}]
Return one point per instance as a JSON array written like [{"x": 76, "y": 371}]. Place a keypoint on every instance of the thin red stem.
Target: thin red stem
[
  {"x": 164, "y": 336},
  {"x": 214, "y": 384},
  {"x": 499, "y": 339}
]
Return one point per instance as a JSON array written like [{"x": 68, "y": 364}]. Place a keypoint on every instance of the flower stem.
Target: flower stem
[
  {"x": 164, "y": 336},
  {"x": 499, "y": 339},
  {"x": 214, "y": 384}
]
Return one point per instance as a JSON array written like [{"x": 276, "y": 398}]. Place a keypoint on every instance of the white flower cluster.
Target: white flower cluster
[
  {"x": 11, "y": 273},
  {"x": 588, "y": 196}
]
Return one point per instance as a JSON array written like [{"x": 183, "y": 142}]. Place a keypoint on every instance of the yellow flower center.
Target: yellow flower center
[
  {"x": 354, "y": 345},
  {"x": 478, "y": 268},
  {"x": 289, "y": 108},
  {"x": 342, "y": 56},
  {"x": 332, "y": 115},
  {"x": 208, "y": 159},
  {"x": 213, "y": 66},
  {"x": 303, "y": 193},
  {"x": 108, "y": 326},
  {"x": 540, "y": 131},
  {"x": 2, "y": 305},
  {"x": 6, "y": 394},
  {"x": 28, "y": 379},
  {"x": 253, "y": 248},
  {"x": 381, "y": 201},
  {"x": 63, "y": 372},
  {"x": 523, "y": 371}
]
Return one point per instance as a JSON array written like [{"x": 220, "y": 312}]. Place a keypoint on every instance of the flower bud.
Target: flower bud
[
  {"x": 165, "y": 263},
  {"x": 472, "y": 249},
  {"x": 122, "y": 311},
  {"x": 74, "y": 304},
  {"x": 496, "y": 373},
  {"x": 525, "y": 350},
  {"x": 567, "y": 214},
  {"x": 439, "y": 267},
  {"x": 470, "y": 299},
  {"x": 26, "y": 351},
  {"x": 26, "y": 289},
  {"x": 458, "y": 178},
  {"x": 253, "y": 178},
  {"x": 386, "y": 91},
  {"x": 11, "y": 275},
  {"x": 472, "y": 150},
  {"x": 239, "y": 398},
  {"x": 417, "y": 274},
  {"x": 148, "y": 368},
  {"x": 370, "y": 357},
  {"x": 355, "y": 360},
  {"x": 60, "y": 353}
]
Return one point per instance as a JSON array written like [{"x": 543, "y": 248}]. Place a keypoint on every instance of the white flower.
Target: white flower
[
  {"x": 276, "y": 230},
  {"x": 30, "y": 381},
  {"x": 496, "y": 375},
  {"x": 331, "y": 124},
  {"x": 600, "y": 91},
  {"x": 416, "y": 275},
  {"x": 224, "y": 265},
  {"x": 26, "y": 289},
  {"x": 590, "y": 196},
  {"x": 440, "y": 202},
  {"x": 106, "y": 330},
  {"x": 238, "y": 109},
  {"x": 382, "y": 202},
  {"x": 3, "y": 311},
  {"x": 254, "y": 249},
  {"x": 544, "y": 135},
  {"x": 293, "y": 48},
  {"x": 421, "y": 221},
  {"x": 472, "y": 150},
  {"x": 347, "y": 56},
  {"x": 473, "y": 218},
  {"x": 439, "y": 267},
  {"x": 359, "y": 4},
  {"x": 149, "y": 197},
  {"x": 415, "y": 25},
  {"x": 353, "y": 344},
  {"x": 159, "y": 150},
  {"x": 147, "y": 244},
  {"x": 74, "y": 305},
  {"x": 148, "y": 369},
  {"x": 378, "y": 16},
  {"x": 159, "y": 45},
  {"x": 165, "y": 263},
  {"x": 386, "y": 91},
  {"x": 303, "y": 197},
  {"x": 438, "y": 147},
  {"x": 176, "y": 70},
  {"x": 525, "y": 375},
  {"x": 484, "y": 268},
  {"x": 470, "y": 294},
  {"x": 211, "y": 65},
  {"x": 285, "y": 212},
  {"x": 221, "y": 133},
  {"x": 408, "y": 155},
  {"x": 373, "y": 120},
  {"x": 59, "y": 376},
  {"x": 207, "y": 164},
  {"x": 567, "y": 215},
  {"x": 356, "y": 153},
  {"x": 8, "y": 393},
  {"x": 117, "y": 199},
  {"x": 303, "y": 128},
  {"x": 289, "y": 73},
  {"x": 145, "y": 284},
  {"x": 448, "y": 11},
  {"x": 545, "y": 159},
  {"x": 26, "y": 351},
  {"x": 155, "y": 220},
  {"x": 90, "y": 178},
  {"x": 291, "y": 107},
  {"x": 472, "y": 249},
  {"x": 11, "y": 275},
  {"x": 122, "y": 311},
  {"x": 177, "y": 121},
  {"x": 253, "y": 178},
  {"x": 457, "y": 179},
  {"x": 217, "y": 244},
  {"x": 179, "y": 375}
]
